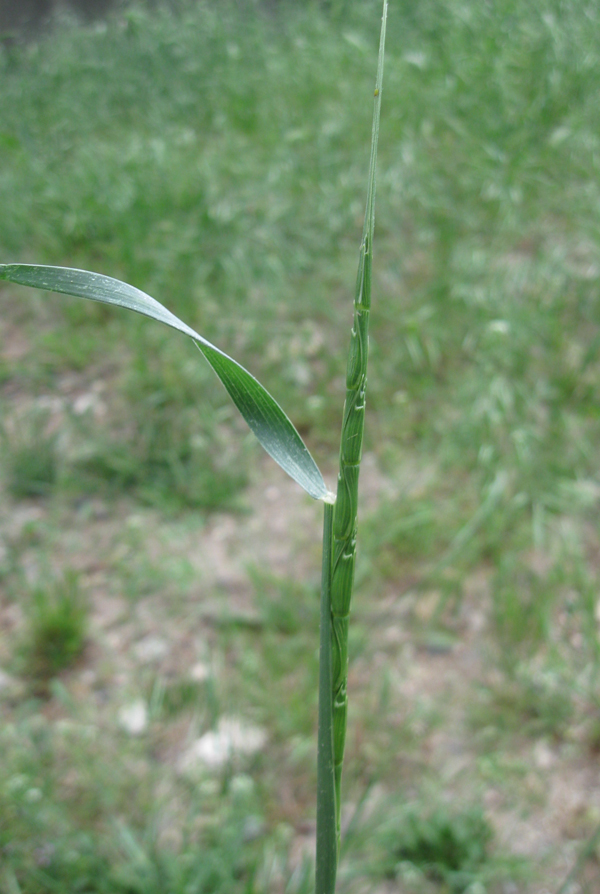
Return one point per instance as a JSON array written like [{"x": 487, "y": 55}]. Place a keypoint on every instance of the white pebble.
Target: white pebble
[
  {"x": 232, "y": 738},
  {"x": 133, "y": 718}
]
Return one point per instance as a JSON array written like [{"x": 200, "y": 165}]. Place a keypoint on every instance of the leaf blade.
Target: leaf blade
[{"x": 264, "y": 416}]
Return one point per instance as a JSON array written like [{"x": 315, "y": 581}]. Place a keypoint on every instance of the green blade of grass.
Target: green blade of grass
[{"x": 263, "y": 414}]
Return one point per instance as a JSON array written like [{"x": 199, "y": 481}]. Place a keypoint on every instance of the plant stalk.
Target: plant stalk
[{"x": 327, "y": 840}]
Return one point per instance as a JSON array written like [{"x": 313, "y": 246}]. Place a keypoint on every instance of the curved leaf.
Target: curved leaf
[{"x": 261, "y": 411}]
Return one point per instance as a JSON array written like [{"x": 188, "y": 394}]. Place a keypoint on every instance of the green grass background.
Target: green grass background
[{"x": 216, "y": 156}]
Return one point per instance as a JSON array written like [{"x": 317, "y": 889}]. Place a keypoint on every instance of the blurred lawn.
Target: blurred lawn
[{"x": 217, "y": 158}]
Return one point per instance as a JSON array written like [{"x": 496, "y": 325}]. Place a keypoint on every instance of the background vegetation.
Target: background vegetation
[{"x": 158, "y": 582}]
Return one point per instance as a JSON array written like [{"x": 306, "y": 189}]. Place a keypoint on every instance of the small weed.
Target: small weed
[
  {"x": 168, "y": 460},
  {"x": 178, "y": 696},
  {"x": 447, "y": 846},
  {"x": 141, "y": 573},
  {"x": 56, "y": 628},
  {"x": 30, "y": 455},
  {"x": 221, "y": 861},
  {"x": 532, "y": 702},
  {"x": 286, "y": 606},
  {"x": 404, "y": 530},
  {"x": 272, "y": 651},
  {"x": 521, "y": 602}
]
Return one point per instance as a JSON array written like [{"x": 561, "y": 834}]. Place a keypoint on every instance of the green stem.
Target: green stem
[
  {"x": 327, "y": 845},
  {"x": 346, "y": 505}
]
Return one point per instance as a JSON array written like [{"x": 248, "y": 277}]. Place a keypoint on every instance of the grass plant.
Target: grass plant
[
  {"x": 447, "y": 847},
  {"x": 57, "y": 639},
  {"x": 56, "y": 629},
  {"x": 215, "y": 157},
  {"x": 31, "y": 455}
]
